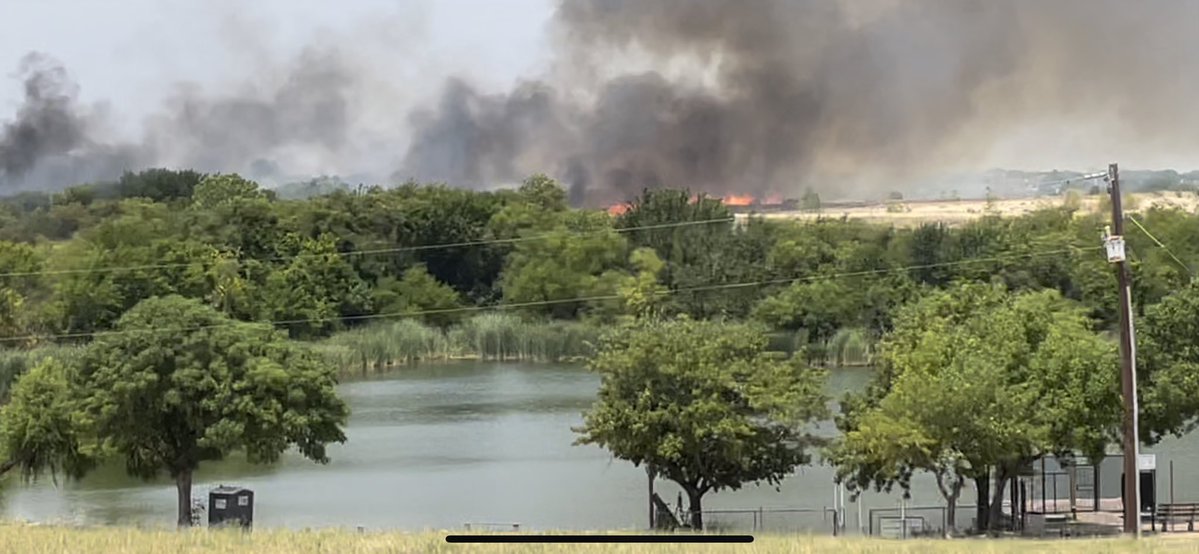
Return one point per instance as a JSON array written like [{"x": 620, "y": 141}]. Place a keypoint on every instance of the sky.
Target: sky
[
  {"x": 928, "y": 89},
  {"x": 130, "y": 54}
]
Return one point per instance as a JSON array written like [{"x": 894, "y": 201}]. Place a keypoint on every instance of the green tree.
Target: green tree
[
  {"x": 39, "y": 425},
  {"x": 435, "y": 215},
  {"x": 160, "y": 185},
  {"x": 582, "y": 259},
  {"x": 214, "y": 388},
  {"x": 19, "y": 264},
  {"x": 543, "y": 192},
  {"x": 1168, "y": 363},
  {"x": 810, "y": 201},
  {"x": 984, "y": 382},
  {"x": 315, "y": 289},
  {"x": 642, "y": 294},
  {"x": 138, "y": 254},
  {"x": 820, "y": 308},
  {"x": 417, "y": 291},
  {"x": 215, "y": 190},
  {"x": 702, "y": 404}
]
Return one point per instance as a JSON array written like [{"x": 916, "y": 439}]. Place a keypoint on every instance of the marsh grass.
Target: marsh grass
[
  {"x": 488, "y": 336},
  {"x": 849, "y": 347},
  {"x": 27, "y": 539}
]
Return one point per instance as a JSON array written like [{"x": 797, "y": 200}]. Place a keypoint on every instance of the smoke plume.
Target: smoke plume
[
  {"x": 55, "y": 141},
  {"x": 50, "y": 137},
  {"x": 766, "y": 98},
  {"x": 818, "y": 93}
]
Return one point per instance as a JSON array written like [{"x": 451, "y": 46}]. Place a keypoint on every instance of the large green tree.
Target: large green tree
[
  {"x": 581, "y": 259},
  {"x": 176, "y": 385},
  {"x": 1168, "y": 364},
  {"x": 982, "y": 382},
  {"x": 419, "y": 293},
  {"x": 314, "y": 290},
  {"x": 702, "y": 404}
]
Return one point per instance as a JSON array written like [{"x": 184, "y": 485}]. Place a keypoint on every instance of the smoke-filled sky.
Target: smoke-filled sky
[{"x": 765, "y": 97}]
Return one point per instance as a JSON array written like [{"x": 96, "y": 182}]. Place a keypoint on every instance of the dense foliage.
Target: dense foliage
[
  {"x": 71, "y": 263},
  {"x": 375, "y": 276},
  {"x": 214, "y": 388},
  {"x": 981, "y": 382},
  {"x": 702, "y": 403}
]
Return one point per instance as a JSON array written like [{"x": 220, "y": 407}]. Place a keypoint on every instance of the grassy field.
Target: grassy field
[
  {"x": 48, "y": 539},
  {"x": 912, "y": 213}
]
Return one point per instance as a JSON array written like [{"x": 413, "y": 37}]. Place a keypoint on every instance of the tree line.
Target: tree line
[
  {"x": 189, "y": 294},
  {"x": 72, "y": 262}
]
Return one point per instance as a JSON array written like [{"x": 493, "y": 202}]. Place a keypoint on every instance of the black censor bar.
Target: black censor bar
[{"x": 576, "y": 539}]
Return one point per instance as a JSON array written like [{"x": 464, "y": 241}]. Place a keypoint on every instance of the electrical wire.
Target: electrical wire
[
  {"x": 118, "y": 269},
  {"x": 702, "y": 288},
  {"x": 1104, "y": 175},
  {"x": 1162, "y": 246}
]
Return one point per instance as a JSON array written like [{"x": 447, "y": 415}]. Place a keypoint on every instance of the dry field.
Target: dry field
[
  {"x": 912, "y": 213},
  {"x": 25, "y": 539}
]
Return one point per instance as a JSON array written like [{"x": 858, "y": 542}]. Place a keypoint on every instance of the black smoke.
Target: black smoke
[
  {"x": 803, "y": 91},
  {"x": 54, "y": 140},
  {"x": 49, "y": 139},
  {"x": 766, "y": 97}
]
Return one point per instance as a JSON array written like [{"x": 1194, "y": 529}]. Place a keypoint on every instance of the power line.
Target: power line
[
  {"x": 1104, "y": 175},
  {"x": 439, "y": 246},
  {"x": 1163, "y": 246},
  {"x": 463, "y": 309}
]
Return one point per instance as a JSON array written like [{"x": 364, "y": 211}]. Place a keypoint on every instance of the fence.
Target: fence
[
  {"x": 922, "y": 520},
  {"x": 492, "y": 526},
  {"x": 771, "y": 520}
]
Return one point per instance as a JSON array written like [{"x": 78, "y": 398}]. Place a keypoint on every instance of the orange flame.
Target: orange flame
[
  {"x": 617, "y": 209},
  {"x": 738, "y": 200},
  {"x": 773, "y": 200}
]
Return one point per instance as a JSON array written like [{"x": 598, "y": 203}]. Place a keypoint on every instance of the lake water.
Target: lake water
[{"x": 443, "y": 445}]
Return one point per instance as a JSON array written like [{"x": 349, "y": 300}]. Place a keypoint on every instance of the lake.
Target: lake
[{"x": 438, "y": 446}]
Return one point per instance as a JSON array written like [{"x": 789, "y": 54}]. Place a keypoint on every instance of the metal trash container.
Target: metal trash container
[{"x": 229, "y": 505}]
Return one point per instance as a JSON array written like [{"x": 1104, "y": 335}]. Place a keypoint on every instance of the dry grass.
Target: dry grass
[
  {"x": 913, "y": 213},
  {"x": 49, "y": 539}
]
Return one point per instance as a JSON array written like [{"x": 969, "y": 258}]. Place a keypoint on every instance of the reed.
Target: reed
[
  {"x": 848, "y": 347},
  {"x": 488, "y": 336}
]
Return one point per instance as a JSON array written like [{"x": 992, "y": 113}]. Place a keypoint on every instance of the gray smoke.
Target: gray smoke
[
  {"x": 766, "y": 97},
  {"x": 49, "y": 140},
  {"x": 55, "y": 141},
  {"x": 308, "y": 108},
  {"x": 813, "y": 92}
]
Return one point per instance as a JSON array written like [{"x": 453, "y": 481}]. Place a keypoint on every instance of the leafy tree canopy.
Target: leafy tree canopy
[
  {"x": 703, "y": 405},
  {"x": 169, "y": 405}
]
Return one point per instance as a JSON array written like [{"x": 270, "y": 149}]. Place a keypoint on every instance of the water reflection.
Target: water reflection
[{"x": 439, "y": 446}]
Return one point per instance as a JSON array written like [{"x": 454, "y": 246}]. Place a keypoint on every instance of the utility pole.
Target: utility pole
[{"x": 1128, "y": 374}]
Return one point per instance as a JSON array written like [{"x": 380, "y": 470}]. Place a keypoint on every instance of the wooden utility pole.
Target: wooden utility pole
[{"x": 1128, "y": 374}]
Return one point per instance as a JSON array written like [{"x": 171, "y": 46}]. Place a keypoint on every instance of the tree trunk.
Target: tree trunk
[
  {"x": 694, "y": 498},
  {"x": 982, "y": 491},
  {"x": 951, "y": 494},
  {"x": 183, "y": 485},
  {"x": 995, "y": 520}
]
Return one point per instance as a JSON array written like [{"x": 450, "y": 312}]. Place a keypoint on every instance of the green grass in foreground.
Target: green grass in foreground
[{"x": 48, "y": 539}]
